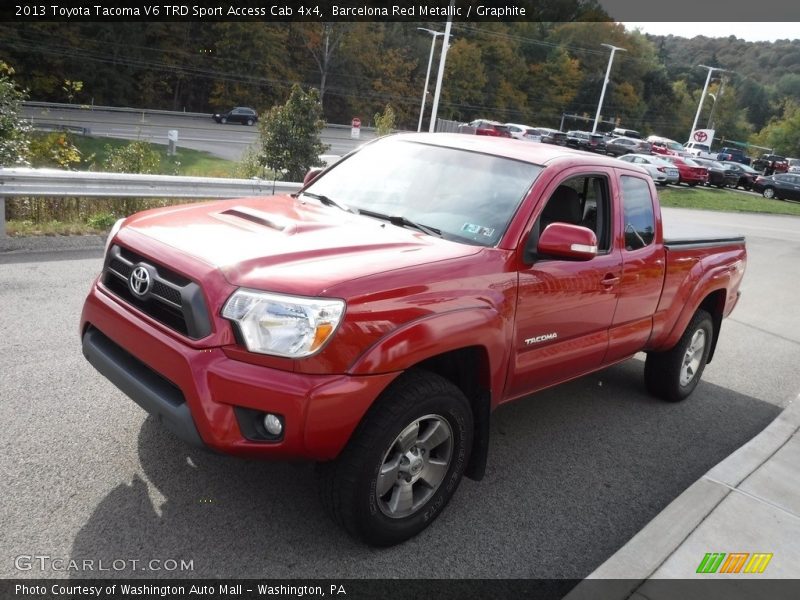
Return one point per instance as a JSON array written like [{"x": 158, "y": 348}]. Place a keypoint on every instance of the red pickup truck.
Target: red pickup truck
[{"x": 373, "y": 321}]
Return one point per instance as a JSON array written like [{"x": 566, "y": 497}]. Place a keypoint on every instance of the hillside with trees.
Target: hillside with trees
[{"x": 534, "y": 72}]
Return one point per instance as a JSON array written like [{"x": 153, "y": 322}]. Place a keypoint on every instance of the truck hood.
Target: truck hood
[{"x": 282, "y": 244}]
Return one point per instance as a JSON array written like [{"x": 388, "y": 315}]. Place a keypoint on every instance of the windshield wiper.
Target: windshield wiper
[
  {"x": 329, "y": 202},
  {"x": 402, "y": 221}
]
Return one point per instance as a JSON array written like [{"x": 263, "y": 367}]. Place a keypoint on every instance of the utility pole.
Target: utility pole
[{"x": 605, "y": 83}]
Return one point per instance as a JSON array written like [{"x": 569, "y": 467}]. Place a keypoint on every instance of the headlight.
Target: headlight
[
  {"x": 283, "y": 325},
  {"x": 112, "y": 233}
]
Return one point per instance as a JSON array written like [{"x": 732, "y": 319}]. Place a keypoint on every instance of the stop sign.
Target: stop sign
[
  {"x": 356, "y": 123},
  {"x": 355, "y": 131}
]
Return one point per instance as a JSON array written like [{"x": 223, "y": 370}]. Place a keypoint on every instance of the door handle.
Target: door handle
[{"x": 609, "y": 280}]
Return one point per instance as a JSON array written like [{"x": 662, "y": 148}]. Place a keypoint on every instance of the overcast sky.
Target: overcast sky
[{"x": 752, "y": 32}]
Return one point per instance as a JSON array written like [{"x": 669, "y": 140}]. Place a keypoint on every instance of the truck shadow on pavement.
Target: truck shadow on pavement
[{"x": 573, "y": 473}]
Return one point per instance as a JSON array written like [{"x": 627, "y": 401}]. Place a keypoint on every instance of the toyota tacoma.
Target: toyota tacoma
[{"x": 372, "y": 321}]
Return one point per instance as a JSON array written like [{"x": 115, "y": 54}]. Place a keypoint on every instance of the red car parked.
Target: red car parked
[
  {"x": 490, "y": 128},
  {"x": 690, "y": 172}
]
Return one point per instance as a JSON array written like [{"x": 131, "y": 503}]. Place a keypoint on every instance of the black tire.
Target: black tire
[
  {"x": 249, "y": 122},
  {"x": 223, "y": 120},
  {"x": 349, "y": 485},
  {"x": 664, "y": 373},
  {"x": 693, "y": 183},
  {"x": 769, "y": 193}
]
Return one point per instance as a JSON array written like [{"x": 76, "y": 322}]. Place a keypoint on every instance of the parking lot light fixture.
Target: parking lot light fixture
[
  {"x": 605, "y": 83},
  {"x": 434, "y": 35}
]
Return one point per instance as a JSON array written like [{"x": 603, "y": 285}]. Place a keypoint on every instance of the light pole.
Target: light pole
[
  {"x": 434, "y": 35},
  {"x": 440, "y": 74},
  {"x": 605, "y": 83},
  {"x": 703, "y": 95}
]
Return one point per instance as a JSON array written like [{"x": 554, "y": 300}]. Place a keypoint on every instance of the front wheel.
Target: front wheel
[
  {"x": 673, "y": 375},
  {"x": 768, "y": 193},
  {"x": 693, "y": 183},
  {"x": 404, "y": 462},
  {"x": 249, "y": 122}
]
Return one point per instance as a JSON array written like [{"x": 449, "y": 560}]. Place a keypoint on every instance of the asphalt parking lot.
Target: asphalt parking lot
[{"x": 573, "y": 472}]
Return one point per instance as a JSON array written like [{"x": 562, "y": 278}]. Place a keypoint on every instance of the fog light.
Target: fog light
[{"x": 273, "y": 424}]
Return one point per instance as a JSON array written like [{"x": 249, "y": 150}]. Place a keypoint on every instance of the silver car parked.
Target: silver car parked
[{"x": 662, "y": 171}]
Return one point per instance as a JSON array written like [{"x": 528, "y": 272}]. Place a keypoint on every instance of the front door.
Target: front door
[{"x": 565, "y": 308}]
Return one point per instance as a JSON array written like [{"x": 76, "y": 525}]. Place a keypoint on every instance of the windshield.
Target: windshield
[
  {"x": 468, "y": 196},
  {"x": 674, "y": 146}
]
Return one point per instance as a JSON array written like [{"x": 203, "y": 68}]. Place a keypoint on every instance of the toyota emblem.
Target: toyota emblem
[{"x": 140, "y": 281}]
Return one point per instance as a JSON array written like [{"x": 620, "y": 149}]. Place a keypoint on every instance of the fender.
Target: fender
[
  {"x": 714, "y": 280},
  {"x": 440, "y": 333}
]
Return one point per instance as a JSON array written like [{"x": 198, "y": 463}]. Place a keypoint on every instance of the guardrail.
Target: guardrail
[{"x": 52, "y": 183}]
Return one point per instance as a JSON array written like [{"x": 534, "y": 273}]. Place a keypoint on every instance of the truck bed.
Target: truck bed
[{"x": 682, "y": 235}]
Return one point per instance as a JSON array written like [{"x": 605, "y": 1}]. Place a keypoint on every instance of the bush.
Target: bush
[
  {"x": 385, "y": 123},
  {"x": 13, "y": 130},
  {"x": 54, "y": 150},
  {"x": 101, "y": 221},
  {"x": 136, "y": 157}
]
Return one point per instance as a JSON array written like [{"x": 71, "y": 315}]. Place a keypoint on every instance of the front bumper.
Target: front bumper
[{"x": 194, "y": 391}]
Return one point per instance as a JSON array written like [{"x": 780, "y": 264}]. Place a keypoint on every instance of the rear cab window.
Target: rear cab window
[{"x": 639, "y": 219}]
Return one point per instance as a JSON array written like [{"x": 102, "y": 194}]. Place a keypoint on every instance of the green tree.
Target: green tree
[
  {"x": 782, "y": 134},
  {"x": 466, "y": 77},
  {"x": 13, "y": 130},
  {"x": 289, "y": 135}
]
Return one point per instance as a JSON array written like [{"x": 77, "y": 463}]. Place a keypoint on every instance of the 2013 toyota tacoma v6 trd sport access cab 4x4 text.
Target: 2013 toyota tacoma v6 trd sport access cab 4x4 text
[{"x": 373, "y": 321}]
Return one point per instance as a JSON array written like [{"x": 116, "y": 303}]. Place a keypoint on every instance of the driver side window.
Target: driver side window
[{"x": 583, "y": 201}]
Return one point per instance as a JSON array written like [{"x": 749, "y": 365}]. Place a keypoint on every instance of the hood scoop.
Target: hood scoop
[{"x": 257, "y": 217}]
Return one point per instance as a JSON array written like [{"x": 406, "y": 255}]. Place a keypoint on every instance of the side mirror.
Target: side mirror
[
  {"x": 570, "y": 242},
  {"x": 311, "y": 176}
]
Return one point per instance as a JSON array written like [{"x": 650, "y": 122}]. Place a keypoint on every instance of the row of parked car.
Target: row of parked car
[{"x": 666, "y": 160}]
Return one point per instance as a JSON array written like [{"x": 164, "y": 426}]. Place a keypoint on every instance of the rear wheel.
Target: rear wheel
[
  {"x": 673, "y": 375},
  {"x": 404, "y": 462},
  {"x": 249, "y": 122},
  {"x": 692, "y": 183}
]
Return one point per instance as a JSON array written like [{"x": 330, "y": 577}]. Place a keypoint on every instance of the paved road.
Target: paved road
[
  {"x": 574, "y": 472},
  {"x": 198, "y": 133}
]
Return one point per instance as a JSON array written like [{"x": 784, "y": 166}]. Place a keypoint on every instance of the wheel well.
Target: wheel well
[
  {"x": 714, "y": 304},
  {"x": 468, "y": 369}
]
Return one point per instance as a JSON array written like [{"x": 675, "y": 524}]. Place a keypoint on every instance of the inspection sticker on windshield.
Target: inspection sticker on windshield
[{"x": 478, "y": 230}]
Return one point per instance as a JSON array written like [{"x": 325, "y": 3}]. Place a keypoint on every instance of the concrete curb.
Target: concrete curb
[{"x": 660, "y": 538}]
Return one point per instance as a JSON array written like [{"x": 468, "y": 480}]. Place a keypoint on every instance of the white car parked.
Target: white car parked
[
  {"x": 524, "y": 132},
  {"x": 662, "y": 171}
]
